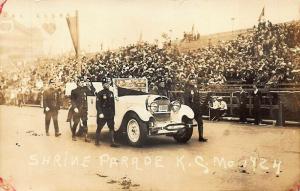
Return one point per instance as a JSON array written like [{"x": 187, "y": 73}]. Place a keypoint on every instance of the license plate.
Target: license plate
[{"x": 163, "y": 108}]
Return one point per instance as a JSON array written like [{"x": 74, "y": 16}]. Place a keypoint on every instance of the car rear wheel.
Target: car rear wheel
[
  {"x": 183, "y": 135},
  {"x": 137, "y": 131}
]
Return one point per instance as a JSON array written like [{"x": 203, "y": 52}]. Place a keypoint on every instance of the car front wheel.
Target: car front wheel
[
  {"x": 183, "y": 135},
  {"x": 137, "y": 131}
]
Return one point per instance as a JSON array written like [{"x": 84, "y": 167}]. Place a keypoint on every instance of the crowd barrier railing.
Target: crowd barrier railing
[{"x": 279, "y": 105}]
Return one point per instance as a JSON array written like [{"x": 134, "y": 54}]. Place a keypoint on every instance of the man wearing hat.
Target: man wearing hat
[
  {"x": 193, "y": 99},
  {"x": 242, "y": 98},
  {"x": 79, "y": 106},
  {"x": 162, "y": 90},
  {"x": 153, "y": 89},
  {"x": 51, "y": 103},
  {"x": 222, "y": 107},
  {"x": 257, "y": 99},
  {"x": 105, "y": 105}
]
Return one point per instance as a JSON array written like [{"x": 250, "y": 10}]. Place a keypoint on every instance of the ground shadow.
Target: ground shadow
[{"x": 152, "y": 141}]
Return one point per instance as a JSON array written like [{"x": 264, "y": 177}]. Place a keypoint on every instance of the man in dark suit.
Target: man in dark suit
[
  {"x": 242, "y": 98},
  {"x": 257, "y": 98},
  {"x": 193, "y": 99},
  {"x": 51, "y": 103},
  {"x": 162, "y": 90},
  {"x": 90, "y": 91},
  {"x": 105, "y": 105},
  {"x": 79, "y": 107}
]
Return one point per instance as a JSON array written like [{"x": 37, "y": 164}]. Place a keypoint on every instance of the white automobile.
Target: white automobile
[{"x": 139, "y": 114}]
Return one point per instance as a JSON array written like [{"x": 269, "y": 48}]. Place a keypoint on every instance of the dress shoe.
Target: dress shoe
[
  {"x": 202, "y": 139},
  {"x": 114, "y": 145}
]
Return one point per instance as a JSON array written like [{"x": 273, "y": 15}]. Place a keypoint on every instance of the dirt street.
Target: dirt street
[{"x": 236, "y": 157}]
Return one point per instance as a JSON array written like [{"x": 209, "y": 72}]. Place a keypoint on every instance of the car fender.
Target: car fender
[
  {"x": 143, "y": 114},
  {"x": 184, "y": 111}
]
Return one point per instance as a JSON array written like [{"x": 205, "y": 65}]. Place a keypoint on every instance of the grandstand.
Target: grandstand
[
  {"x": 267, "y": 55},
  {"x": 211, "y": 39}
]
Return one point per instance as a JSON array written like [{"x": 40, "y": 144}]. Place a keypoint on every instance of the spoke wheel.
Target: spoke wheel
[
  {"x": 133, "y": 130},
  {"x": 136, "y": 129}
]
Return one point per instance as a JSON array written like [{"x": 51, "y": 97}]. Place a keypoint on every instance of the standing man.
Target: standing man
[
  {"x": 242, "y": 98},
  {"x": 90, "y": 91},
  {"x": 257, "y": 98},
  {"x": 153, "y": 89},
  {"x": 195, "y": 102},
  {"x": 20, "y": 97},
  {"x": 105, "y": 105},
  {"x": 162, "y": 90},
  {"x": 51, "y": 103},
  {"x": 79, "y": 108}
]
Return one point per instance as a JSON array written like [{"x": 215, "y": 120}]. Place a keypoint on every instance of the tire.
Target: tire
[
  {"x": 184, "y": 135},
  {"x": 136, "y": 130}
]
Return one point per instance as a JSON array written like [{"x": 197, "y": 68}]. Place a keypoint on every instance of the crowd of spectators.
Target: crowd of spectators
[
  {"x": 267, "y": 55},
  {"x": 19, "y": 86}
]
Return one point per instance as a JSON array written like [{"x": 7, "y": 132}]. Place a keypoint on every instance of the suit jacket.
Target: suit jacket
[
  {"x": 192, "y": 98},
  {"x": 51, "y": 99},
  {"x": 257, "y": 98},
  {"x": 105, "y": 103},
  {"x": 242, "y": 98},
  {"x": 79, "y": 98}
]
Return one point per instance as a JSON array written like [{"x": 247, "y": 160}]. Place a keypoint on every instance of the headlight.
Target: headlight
[
  {"x": 153, "y": 107},
  {"x": 175, "y": 106}
]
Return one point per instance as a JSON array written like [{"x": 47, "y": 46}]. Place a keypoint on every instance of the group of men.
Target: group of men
[
  {"x": 78, "y": 112},
  {"x": 256, "y": 109},
  {"x": 106, "y": 107},
  {"x": 218, "y": 108}
]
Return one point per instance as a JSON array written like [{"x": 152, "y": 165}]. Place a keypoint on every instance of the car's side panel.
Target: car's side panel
[
  {"x": 135, "y": 104},
  {"x": 92, "y": 113},
  {"x": 130, "y": 103}
]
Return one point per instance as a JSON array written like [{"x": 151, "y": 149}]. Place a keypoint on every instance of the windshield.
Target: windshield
[
  {"x": 125, "y": 92},
  {"x": 130, "y": 86}
]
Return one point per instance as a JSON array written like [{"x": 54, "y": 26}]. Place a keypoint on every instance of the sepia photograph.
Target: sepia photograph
[{"x": 149, "y": 95}]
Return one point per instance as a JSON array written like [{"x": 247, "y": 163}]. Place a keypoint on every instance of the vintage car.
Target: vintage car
[{"x": 139, "y": 114}]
